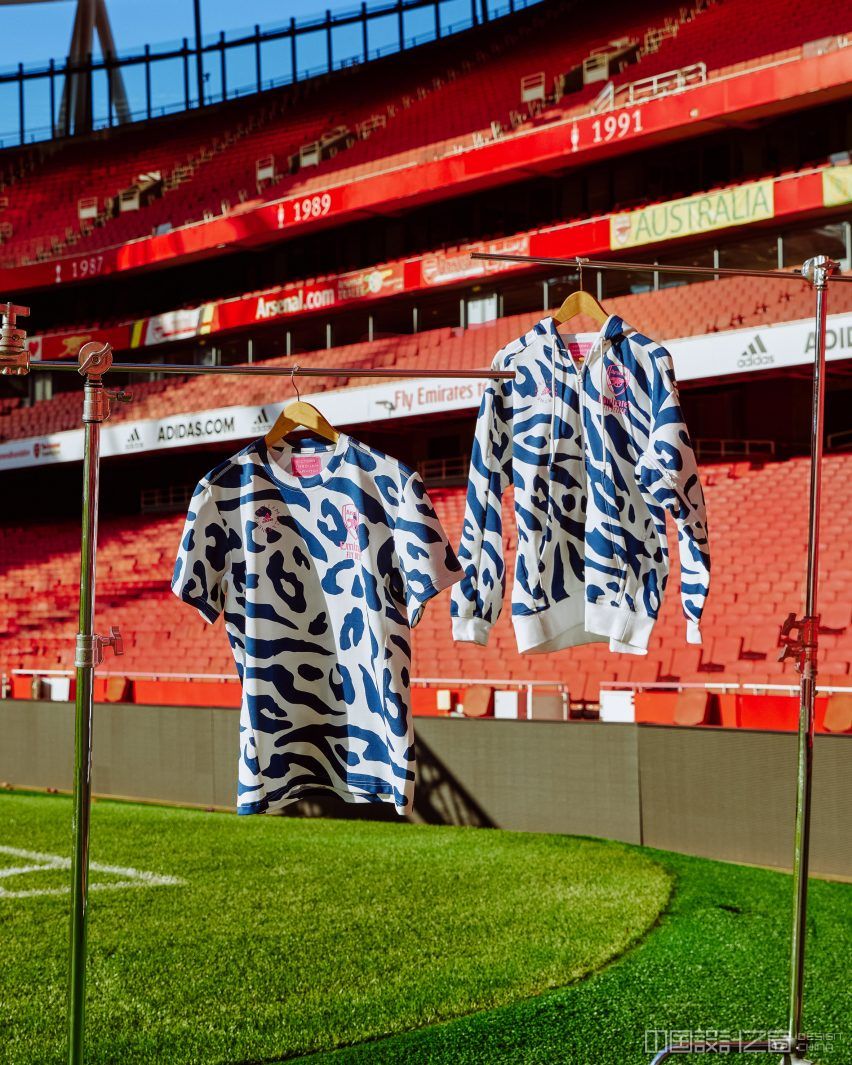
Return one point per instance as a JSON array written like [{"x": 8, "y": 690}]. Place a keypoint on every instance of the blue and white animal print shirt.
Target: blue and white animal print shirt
[
  {"x": 322, "y": 557},
  {"x": 597, "y": 452}
]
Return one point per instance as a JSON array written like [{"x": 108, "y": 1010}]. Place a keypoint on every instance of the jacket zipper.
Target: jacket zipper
[{"x": 607, "y": 469}]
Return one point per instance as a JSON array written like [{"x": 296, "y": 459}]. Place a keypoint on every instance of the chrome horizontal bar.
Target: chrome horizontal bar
[
  {"x": 660, "y": 268},
  {"x": 274, "y": 371}
]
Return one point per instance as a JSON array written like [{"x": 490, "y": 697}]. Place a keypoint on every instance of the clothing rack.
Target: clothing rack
[
  {"x": 580, "y": 262},
  {"x": 94, "y": 360}
]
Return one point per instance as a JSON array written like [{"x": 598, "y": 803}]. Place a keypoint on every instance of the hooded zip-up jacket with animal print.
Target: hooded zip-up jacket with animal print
[{"x": 596, "y": 452}]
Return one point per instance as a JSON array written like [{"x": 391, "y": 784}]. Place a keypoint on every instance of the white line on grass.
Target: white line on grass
[{"x": 133, "y": 878}]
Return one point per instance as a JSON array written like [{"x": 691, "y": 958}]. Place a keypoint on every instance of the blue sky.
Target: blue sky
[
  {"x": 42, "y": 31},
  {"x": 35, "y": 33}
]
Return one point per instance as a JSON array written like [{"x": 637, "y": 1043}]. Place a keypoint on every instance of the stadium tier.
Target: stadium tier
[
  {"x": 758, "y": 533},
  {"x": 199, "y": 169},
  {"x": 669, "y": 38},
  {"x": 682, "y": 311},
  {"x": 347, "y": 125}
]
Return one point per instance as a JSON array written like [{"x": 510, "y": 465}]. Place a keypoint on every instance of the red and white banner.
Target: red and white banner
[
  {"x": 306, "y": 297},
  {"x": 446, "y": 268},
  {"x": 66, "y": 345},
  {"x": 173, "y": 325}
]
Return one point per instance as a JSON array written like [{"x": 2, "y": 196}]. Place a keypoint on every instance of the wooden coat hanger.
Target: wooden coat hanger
[
  {"x": 580, "y": 302},
  {"x": 300, "y": 415}
]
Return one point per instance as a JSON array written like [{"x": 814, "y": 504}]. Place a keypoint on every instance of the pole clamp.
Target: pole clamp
[
  {"x": 818, "y": 270},
  {"x": 802, "y": 646},
  {"x": 89, "y": 651},
  {"x": 14, "y": 356},
  {"x": 94, "y": 359},
  {"x": 97, "y": 400}
]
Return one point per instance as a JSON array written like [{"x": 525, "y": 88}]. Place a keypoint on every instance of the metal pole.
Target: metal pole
[
  {"x": 94, "y": 360},
  {"x": 83, "y": 735},
  {"x": 607, "y": 264},
  {"x": 148, "y": 80},
  {"x": 52, "y": 68},
  {"x": 83, "y": 97},
  {"x": 109, "y": 73},
  {"x": 579, "y": 262},
  {"x": 804, "y": 648},
  {"x": 22, "y": 131},
  {"x": 817, "y": 271},
  {"x": 69, "y": 82},
  {"x": 277, "y": 371},
  {"x": 118, "y": 93},
  {"x": 185, "y": 57},
  {"x": 199, "y": 59}
]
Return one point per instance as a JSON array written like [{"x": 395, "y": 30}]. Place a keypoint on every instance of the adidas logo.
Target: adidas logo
[
  {"x": 261, "y": 422},
  {"x": 134, "y": 440},
  {"x": 755, "y": 355}
]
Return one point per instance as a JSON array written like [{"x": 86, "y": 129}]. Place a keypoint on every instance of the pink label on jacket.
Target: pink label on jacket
[
  {"x": 306, "y": 465},
  {"x": 579, "y": 349}
]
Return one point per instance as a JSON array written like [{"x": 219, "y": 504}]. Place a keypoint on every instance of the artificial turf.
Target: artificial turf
[{"x": 289, "y": 936}]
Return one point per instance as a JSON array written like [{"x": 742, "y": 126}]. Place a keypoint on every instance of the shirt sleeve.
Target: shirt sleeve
[
  {"x": 478, "y": 599},
  {"x": 426, "y": 558},
  {"x": 668, "y": 472},
  {"x": 202, "y": 557}
]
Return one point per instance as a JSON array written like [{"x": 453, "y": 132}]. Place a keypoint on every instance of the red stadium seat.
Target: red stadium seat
[{"x": 134, "y": 568}]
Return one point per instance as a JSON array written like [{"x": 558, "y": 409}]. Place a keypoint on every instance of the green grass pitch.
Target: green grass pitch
[{"x": 345, "y": 941}]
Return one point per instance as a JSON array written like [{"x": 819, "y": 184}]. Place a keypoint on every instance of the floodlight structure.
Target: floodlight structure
[{"x": 75, "y": 109}]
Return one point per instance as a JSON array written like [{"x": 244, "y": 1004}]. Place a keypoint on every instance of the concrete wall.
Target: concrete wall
[{"x": 718, "y": 793}]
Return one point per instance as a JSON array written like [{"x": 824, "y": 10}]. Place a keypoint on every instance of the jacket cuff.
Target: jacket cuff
[
  {"x": 471, "y": 630},
  {"x": 626, "y": 648},
  {"x": 693, "y": 633}
]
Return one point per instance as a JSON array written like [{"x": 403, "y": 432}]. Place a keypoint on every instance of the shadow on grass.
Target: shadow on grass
[{"x": 440, "y": 799}]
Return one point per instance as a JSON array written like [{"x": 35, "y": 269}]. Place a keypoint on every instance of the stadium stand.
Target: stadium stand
[
  {"x": 442, "y": 101},
  {"x": 457, "y": 93},
  {"x": 726, "y": 37},
  {"x": 278, "y": 125},
  {"x": 758, "y": 533},
  {"x": 685, "y": 310}
]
